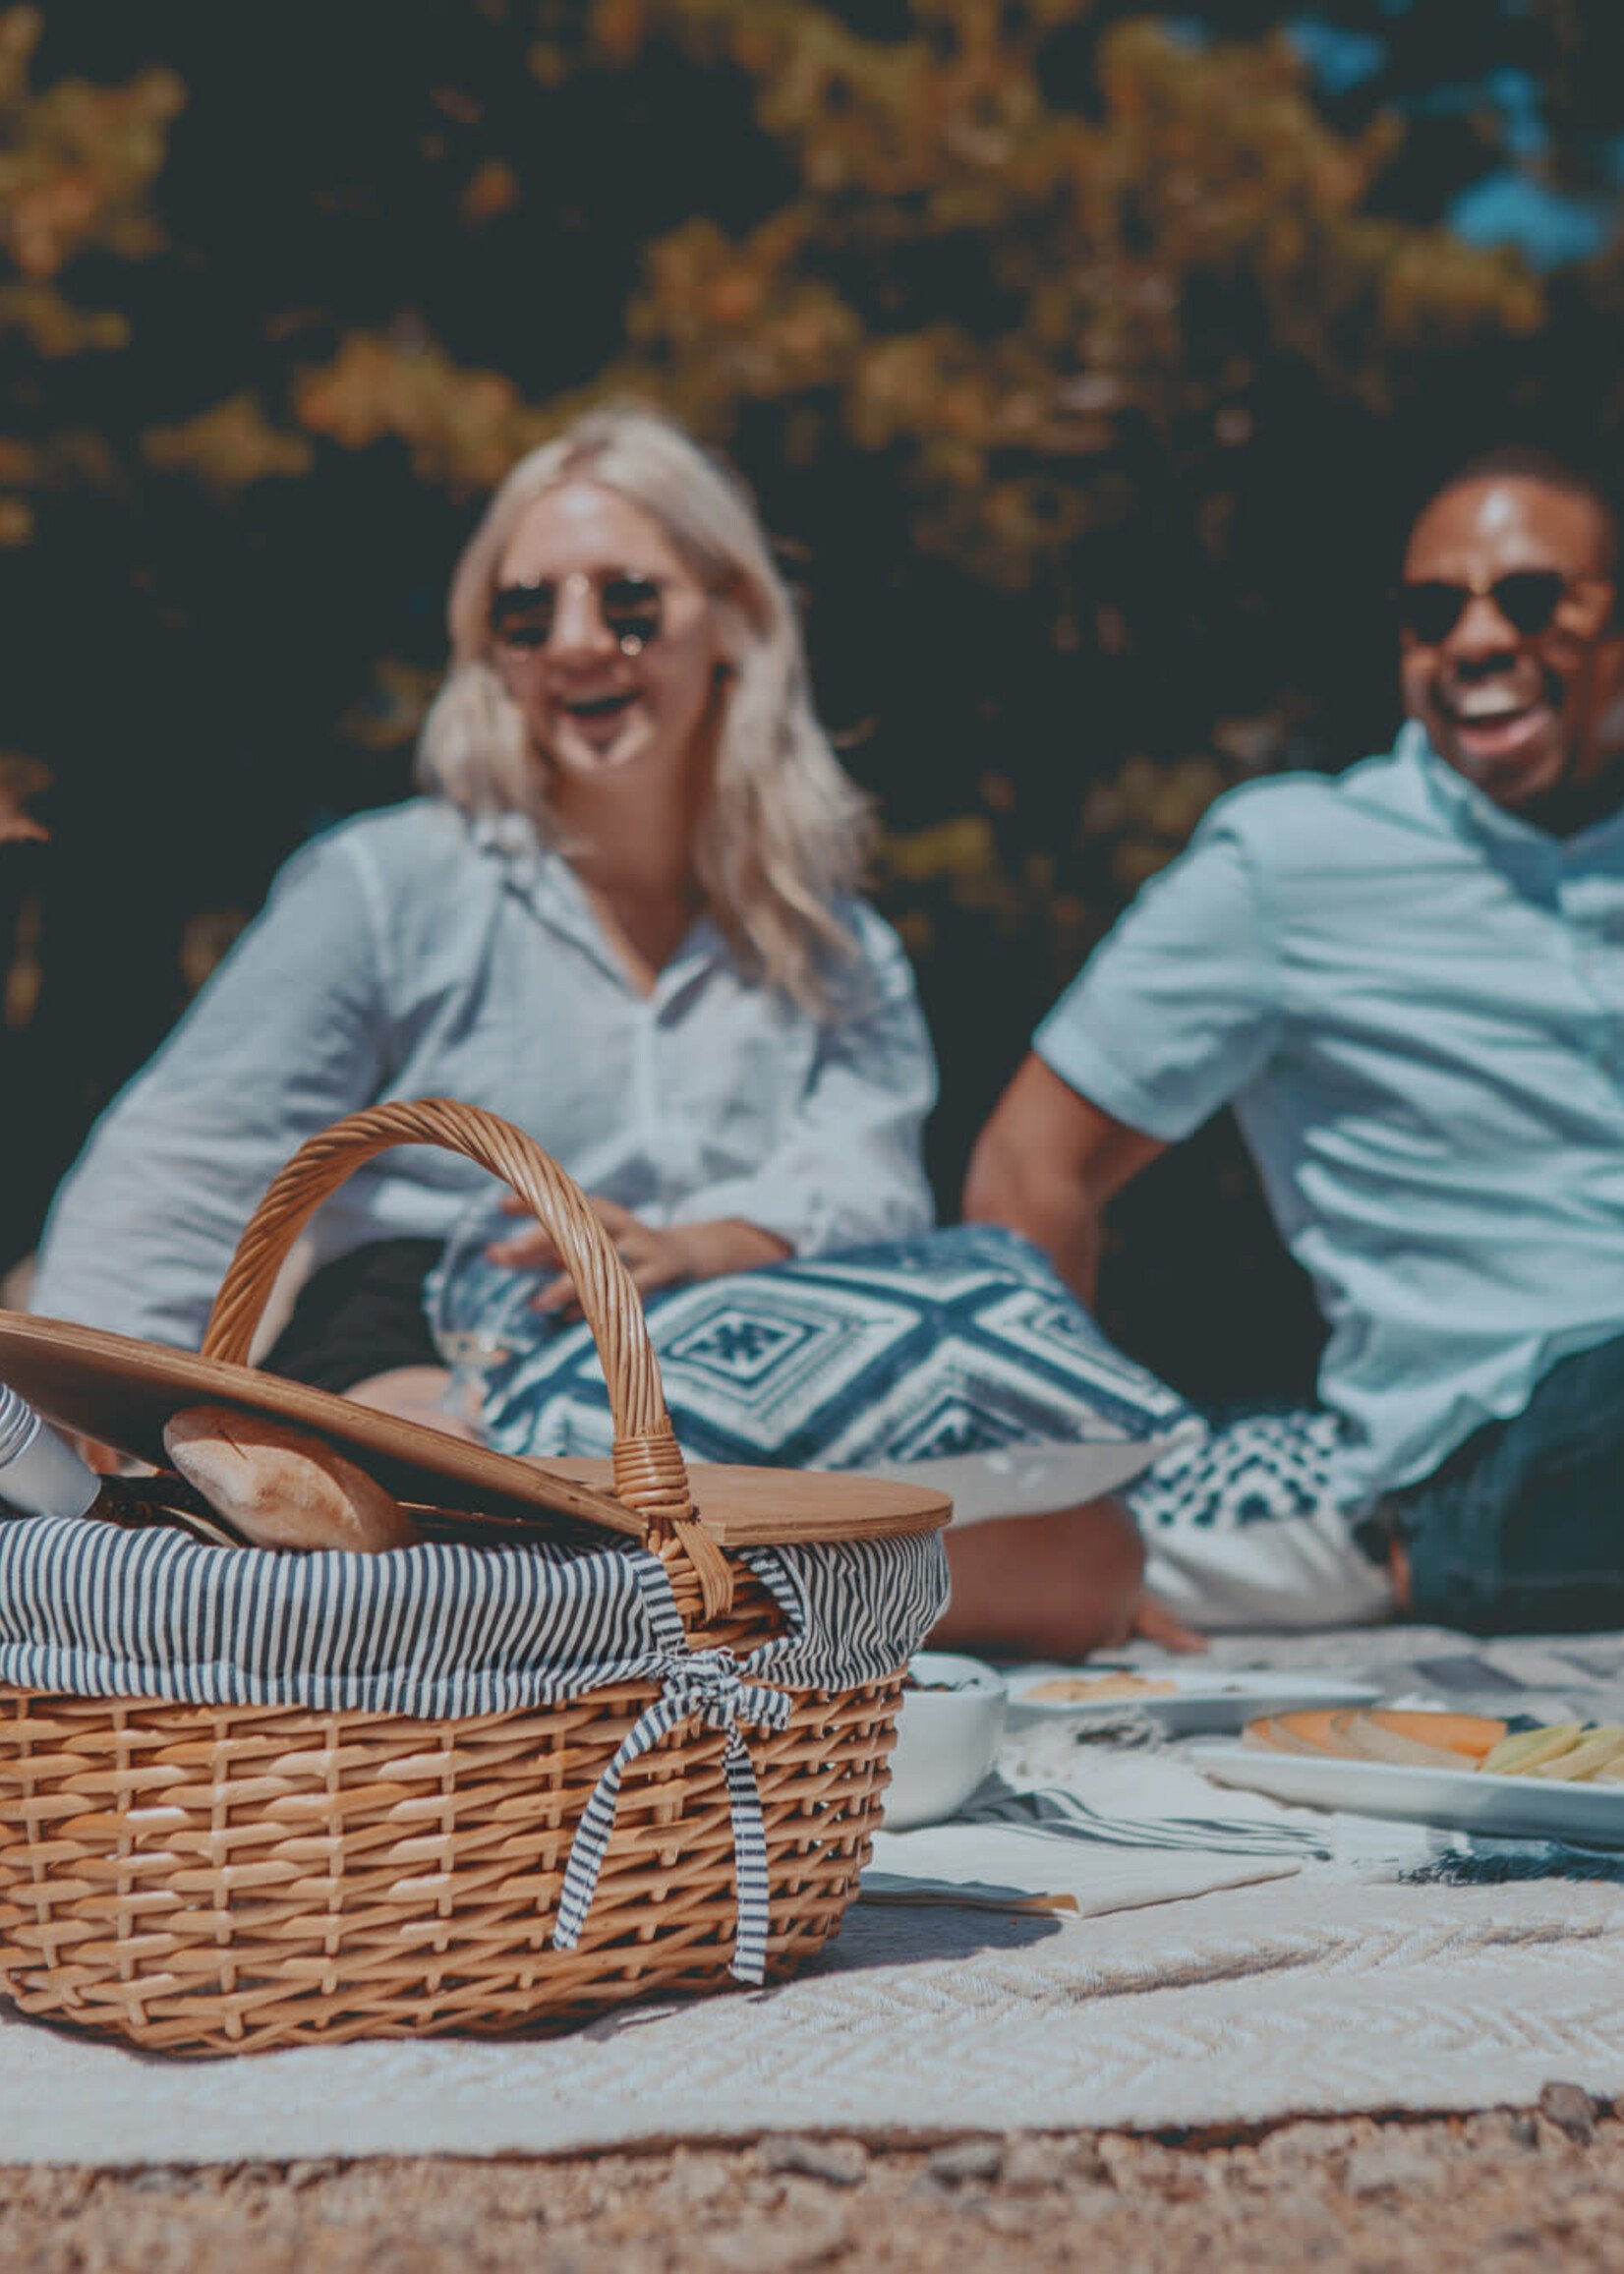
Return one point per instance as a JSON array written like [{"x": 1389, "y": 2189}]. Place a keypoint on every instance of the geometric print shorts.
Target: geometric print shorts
[
  {"x": 1243, "y": 1529},
  {"x": 962, "y": 1350},
  {"x": 1252, "y": 1468}
]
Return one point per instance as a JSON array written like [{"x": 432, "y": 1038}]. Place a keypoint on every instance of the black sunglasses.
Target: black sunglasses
[
  {"x": 1529, "y": 598},
  {"x": 522, "y": 615}
]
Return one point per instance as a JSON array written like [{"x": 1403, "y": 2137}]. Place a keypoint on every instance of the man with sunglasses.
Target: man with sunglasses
[{"x": 1409, "y": 984}]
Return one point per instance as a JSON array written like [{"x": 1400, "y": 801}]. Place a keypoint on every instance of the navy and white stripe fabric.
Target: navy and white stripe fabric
[
  {"x": 436, "y": 1631},
  {"x": 441, "y": 1631},
  {"x": 706, "y": 1685}
]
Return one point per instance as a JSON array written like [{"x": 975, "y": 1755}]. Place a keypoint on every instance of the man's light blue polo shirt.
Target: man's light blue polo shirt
[{"x": 1414, "y": 1003}]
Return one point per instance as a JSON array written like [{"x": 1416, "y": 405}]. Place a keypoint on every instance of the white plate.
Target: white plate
[
  {"x": 1200, "y": 1698},
  {"x": 1460, "y": 1799}
]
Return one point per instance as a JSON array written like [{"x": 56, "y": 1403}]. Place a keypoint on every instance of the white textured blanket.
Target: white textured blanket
[{"x": 1342, "y": 1986}]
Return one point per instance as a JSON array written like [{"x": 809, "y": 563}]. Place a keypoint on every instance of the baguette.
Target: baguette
[{"x": 280, "y": 1487}]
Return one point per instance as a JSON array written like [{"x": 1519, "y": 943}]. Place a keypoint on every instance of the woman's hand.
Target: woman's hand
[{"x": 656, "y": 1255}]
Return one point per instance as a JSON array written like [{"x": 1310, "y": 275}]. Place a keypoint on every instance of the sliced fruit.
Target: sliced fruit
[
  {"x": 1263, "y": 1737},
  {"x": 1266, "y": 1735},
  {"x": 1593, "y": 1751},
  {"x": 1310, "y": 1731},
  {"x": 1353, "y": 1737},
  {"x": 1530, "y": 1749},
  {"x": 1376, "y": 1741},
  {"x": 1471, "y": 1735}
]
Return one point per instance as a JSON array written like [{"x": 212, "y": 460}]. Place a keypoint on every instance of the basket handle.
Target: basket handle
[{"x": 649, "y": 1476}]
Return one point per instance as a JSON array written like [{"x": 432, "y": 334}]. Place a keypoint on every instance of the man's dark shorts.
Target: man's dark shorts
[{"x": 1522, "y": 1530}]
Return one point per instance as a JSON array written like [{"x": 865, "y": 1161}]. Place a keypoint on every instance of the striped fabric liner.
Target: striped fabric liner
[
  {"x": 436, "y": 1631},
  {"x": 441, "y": 1631}
]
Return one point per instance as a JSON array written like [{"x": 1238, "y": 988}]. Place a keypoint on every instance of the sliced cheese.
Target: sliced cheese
[
  {"x": 1371, "y": 1740},
  {"x": 1594, "y": 1750},
  {"x": 1530, "y": 1749}
]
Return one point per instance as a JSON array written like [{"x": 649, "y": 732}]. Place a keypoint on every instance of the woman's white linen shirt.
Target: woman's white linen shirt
[{"x": 413, "y": 954}]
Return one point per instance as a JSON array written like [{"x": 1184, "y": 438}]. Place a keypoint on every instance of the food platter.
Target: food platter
[
  {"x": 1459, "y": 1799},
  {"x": 1542, "y": 1805},
  {"x": 1185, "y": 1700}
]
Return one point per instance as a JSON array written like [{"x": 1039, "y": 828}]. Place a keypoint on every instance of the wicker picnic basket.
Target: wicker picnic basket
[{"x": 212, "y": 1878}]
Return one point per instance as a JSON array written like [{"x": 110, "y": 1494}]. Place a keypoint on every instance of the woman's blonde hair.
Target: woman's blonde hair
[{"x": 785, "y": 832}]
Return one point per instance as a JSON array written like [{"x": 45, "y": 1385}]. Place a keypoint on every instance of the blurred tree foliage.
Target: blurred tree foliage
[{"x": 1084, "y": 361}]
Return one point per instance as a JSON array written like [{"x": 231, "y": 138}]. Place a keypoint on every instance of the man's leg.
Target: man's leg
[{"x": 1522, "y": 1528}]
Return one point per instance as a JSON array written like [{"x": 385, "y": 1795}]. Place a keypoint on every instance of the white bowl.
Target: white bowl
[{"x": 946, "y": 1733}]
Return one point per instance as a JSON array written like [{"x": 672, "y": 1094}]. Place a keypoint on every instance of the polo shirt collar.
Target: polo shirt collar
[{"x": 1521, "y": 847}]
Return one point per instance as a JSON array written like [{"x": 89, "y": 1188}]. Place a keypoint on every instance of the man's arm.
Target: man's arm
[
  {"x": 1047, "y": 1163},
  {"x": 1176, "y": 1010}
]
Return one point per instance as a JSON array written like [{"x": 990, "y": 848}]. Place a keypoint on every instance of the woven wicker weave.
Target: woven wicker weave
[{"x": 226, "y": 1879}]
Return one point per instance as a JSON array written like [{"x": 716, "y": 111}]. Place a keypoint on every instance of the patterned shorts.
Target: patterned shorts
[
  {"x": 1244, "y": 1528},
  {"x": 1262, "y": 1467},
  {"x": 959, "y": 1358}
]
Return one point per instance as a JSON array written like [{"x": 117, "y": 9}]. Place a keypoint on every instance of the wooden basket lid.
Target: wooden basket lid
[{"x": 122, "y": 1391}]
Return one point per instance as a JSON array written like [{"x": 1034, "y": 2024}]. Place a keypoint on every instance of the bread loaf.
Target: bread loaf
[{"x": 281, "y": 1487}]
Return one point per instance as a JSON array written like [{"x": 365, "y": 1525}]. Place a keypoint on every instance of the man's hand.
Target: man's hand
[
  {"x": 1151, "y": 1622},
  {"x": 656, "y": 1255}
]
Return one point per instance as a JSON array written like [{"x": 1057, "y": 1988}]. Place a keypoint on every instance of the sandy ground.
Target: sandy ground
[{"x": 1508, "y": 2188}]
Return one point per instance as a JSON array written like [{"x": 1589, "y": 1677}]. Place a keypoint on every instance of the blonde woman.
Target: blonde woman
[{"x": 622, "y": 913}]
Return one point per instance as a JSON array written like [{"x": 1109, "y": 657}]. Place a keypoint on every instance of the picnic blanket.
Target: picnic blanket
[{"x": 1324, "y": 1963}]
